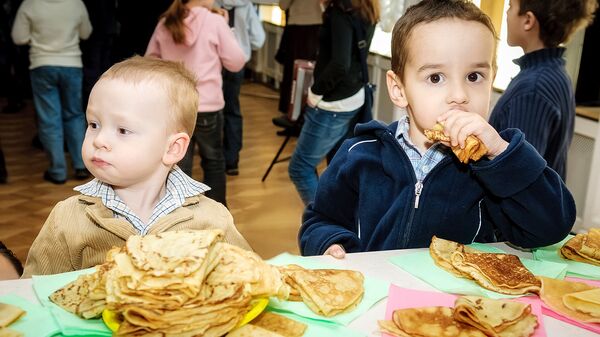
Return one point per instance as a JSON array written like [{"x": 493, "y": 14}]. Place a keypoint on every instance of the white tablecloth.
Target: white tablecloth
[{"x": 374, "y": 264}]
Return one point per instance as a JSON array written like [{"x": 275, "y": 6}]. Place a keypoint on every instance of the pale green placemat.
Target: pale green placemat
[
  {"x": 574, "y": 268},
  {"x": 69, "y": 324},
  {"x": 375, "y": 290},
  {"x": 318, "y": 328},
  {"x": 37, "y": 321},
  {"x": 421, "y": 265}
]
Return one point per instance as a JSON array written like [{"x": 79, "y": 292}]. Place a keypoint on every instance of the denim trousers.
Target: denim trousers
[
  {"x": 208, "y": 134},
  {"x": 322, "y": 129},
  {"x": 232, "y": 129},
  {"x": 57, "y": 99}
]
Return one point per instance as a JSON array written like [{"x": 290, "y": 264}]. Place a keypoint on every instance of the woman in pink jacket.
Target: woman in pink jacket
[{"x": 191, "y": 33}]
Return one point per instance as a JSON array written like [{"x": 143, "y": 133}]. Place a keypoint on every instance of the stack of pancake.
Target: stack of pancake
[
  {"x": 503, "y": 273},
  {"x": 327, "y": 292},
  {"x": 576, "y": 300},
  {"x": 472, "y": 316},
  {"x": 164, "y": 285},
  {"x": 583, "y": 248}
]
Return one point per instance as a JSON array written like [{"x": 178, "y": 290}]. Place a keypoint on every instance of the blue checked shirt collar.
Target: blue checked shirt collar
[
  {"x": 422, "y": 164},
  {"x": 179, "y": 187}
]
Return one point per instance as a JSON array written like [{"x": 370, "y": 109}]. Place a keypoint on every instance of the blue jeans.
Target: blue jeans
[
  {"x": 232, "y": 129},
  {"x": 322, "y": 129},
  {"x": 208, "y": 134},
  {"x": 57, "y": 99}
]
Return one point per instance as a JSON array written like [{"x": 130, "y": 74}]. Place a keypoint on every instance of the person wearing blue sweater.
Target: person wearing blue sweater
[
  {"x": 540, "y": 99},
  {"x": 389, "y": 187}
]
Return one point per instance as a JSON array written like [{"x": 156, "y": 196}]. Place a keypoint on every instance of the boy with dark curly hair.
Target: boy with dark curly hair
[{"x": 540, "y": 99}]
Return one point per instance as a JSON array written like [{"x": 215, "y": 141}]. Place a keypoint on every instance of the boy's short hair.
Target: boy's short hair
[
  {"x": 178, "y": 82},
  {"x": 428, "y": 11},
  {"x": 559, "y": 19}
]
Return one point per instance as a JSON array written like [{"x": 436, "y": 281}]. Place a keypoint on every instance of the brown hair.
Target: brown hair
[
  {"x": 559, "y": 19},
  {"x": 174, "y": 16},
  {"x": 178, "y": 83},
  {"x": 368, "y": 10},
  {"x": 428, "y": 11}
]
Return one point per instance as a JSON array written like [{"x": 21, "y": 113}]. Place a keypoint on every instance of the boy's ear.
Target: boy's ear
[
  {"x": 396, "y": 89},
  {"x": 177, "y": 146},
  {"x": 529, "y": 21}
]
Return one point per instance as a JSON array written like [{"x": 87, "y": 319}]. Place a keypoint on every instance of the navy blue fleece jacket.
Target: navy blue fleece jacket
[{"x": 366, "y": 198}]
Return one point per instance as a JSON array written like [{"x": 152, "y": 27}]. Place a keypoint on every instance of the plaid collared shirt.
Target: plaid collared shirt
[
  {"x": 422, "y": 164},
  {"x": 179, "y": 186}
]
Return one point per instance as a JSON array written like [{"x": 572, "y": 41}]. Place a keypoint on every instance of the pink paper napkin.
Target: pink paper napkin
[
  {"x": 402, "y": 298},
  {"x": 595, "y": 327}
]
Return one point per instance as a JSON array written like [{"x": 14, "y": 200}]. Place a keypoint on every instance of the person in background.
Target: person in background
[
  {"x": 300, "y": 40},
  {"x": 540, "y": 99},
  {"x": 337, "y": 93},
  {"x": 250, "y": 34},
  {"x": 10, "y": 266},
  {"x": 141, "y": 115},
  {"x": 389, "y": 187},
  {"x": 53, "y": 28},
  {"x": 190, "y": 31}
]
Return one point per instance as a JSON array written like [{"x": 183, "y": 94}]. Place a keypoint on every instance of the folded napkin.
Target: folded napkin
[
  {"x": 37, "y": 321},
  {"x": 401, "y": 298},
  {"x": 574, "y": 268},
  {"x": 320, "y": 328},
  {"x": 69, "y": 324},
  {"x": 421, "y": 266},
  {"x": 375, "y": 290}
]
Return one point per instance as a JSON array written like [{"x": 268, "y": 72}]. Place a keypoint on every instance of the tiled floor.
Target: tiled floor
[{"x": 268, "y": 214}]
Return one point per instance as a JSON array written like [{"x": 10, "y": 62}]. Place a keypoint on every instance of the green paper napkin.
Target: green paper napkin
[
  {"x": 69, "y": 324},
  {"x": 37, "y": 321},
  {"x": 320, "y": 328},
  {"x": 375, "y": 290},
  {"x": 421, "y": 265},
  {"x": 574, "y": 268}
]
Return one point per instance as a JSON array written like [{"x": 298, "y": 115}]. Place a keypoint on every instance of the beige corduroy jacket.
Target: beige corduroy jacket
[{"x": 81, "y": 230}]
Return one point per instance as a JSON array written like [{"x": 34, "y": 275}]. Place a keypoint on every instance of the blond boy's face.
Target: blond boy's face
[
  {"x": 449, "y": 67},
  {"x": 127, "y": 133}
]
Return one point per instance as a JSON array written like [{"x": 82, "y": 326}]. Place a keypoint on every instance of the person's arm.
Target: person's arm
[
  {"x": 341, "y": 55},
  {"x": 256, "y": 31},
  {"x": 527, "y": 201},
  {"x": 535, "y": 116},
  {"x": 85, "y": 26},
  {"x": 49, "y": 252},
  {"x": 330, "y": 219},
  {"x": 21, "y": 29},
  {"x": 231, "y": 54}
]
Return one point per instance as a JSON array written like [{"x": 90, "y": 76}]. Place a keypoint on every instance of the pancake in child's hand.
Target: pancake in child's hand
[
  {"x": 474, "y": 148},
  {"x": 503, "y": 273},
  {"x": 280, "y": 324},
  {"x": 9, "y": 314},
  {"x": 6, "y": 332},
  {"x": 587, "y": 301},
  {"x": 329, "y": 292},
  {"x": 496, "y": 317},
  {"x": 250, "y": 330},
  {"x": 441, "y": 250},
  {"x": 554, "y": 292},
  {"x": 432, "y": 322}
]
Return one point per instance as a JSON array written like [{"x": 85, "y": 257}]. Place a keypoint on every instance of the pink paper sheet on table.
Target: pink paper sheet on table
[
  {"x": 595, "y": 327},
  {"x": 402, "y": 298}
]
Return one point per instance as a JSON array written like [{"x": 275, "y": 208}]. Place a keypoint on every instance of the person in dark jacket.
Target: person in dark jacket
[
  {"x": 337, "y": 93},
  {"x": 389, "y": 187},
  {"x": 540, "y": 99}
]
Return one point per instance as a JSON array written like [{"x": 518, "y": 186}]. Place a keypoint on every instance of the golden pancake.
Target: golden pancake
[
  {"x": 329, "y": 292},
  {"x": 86, "y": 296},
  {"x": 294, "y": 293},
  {"x": 553, "y": 291},
  {"x": 9, "y": 314},
  {"x": 474, "y": 149},
  {"x": 587, "y": 302},
  {"x": 390, "y": 327},
  {"x": 441, "y": 250},
  {"x": 432, "y": 322},
  {"x": 571, "y": 250},
  {"x": 251, "y": 330},
  {"x": 6, "y": 332},
  {"x": 503, "y": 273},
  {"x": 590, "y": 247},
  {"x": 280, "y": 324}
]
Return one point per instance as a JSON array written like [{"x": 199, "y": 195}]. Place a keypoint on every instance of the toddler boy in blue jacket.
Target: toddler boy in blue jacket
[{"x": 389, "y": 187}]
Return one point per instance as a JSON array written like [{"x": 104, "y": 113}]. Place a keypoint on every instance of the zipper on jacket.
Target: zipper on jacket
[{"x": 418, "y": 189}]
